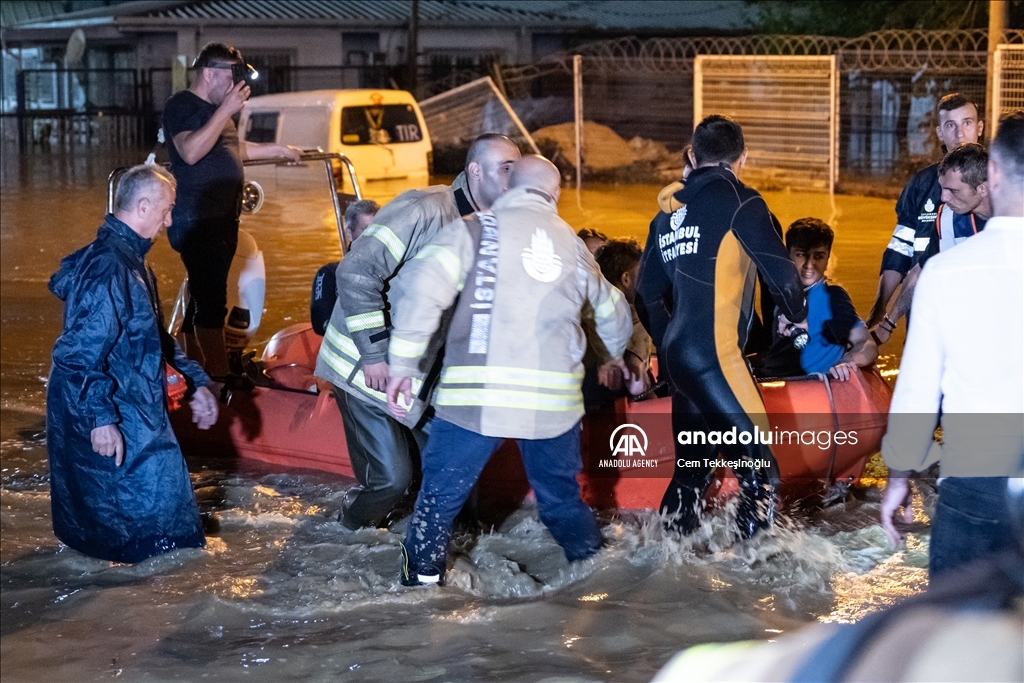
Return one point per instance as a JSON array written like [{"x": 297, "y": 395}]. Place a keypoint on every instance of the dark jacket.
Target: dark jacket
[
  {"x": 108, "y": 369},
  {"x": 695, "y": 292}
]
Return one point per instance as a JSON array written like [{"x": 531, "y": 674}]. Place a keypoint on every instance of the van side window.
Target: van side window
[
  {"x": 262, "y": 127},
  {"x": 380, "y": 125}
]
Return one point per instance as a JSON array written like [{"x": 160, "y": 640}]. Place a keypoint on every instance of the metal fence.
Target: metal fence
[{"x": 889, "y": 85}]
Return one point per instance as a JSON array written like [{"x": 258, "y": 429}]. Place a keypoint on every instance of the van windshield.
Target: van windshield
[{"x": 380, "y": 125}]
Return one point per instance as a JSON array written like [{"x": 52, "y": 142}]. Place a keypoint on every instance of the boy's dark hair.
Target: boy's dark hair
[
  {"x": 617, "y": 257},
  {"x": 972, "y": 162},
  {"x": 591, "y": 233},
  {"x": 1008, "y": 145},
  {"x": 217, "y": 54},
  {"x": 716, "y": 139},
  {"x": 808, "y": 233},
  {"x": 955, "y": 100}
]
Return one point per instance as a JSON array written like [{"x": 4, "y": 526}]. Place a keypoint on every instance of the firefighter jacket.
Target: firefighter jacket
[
  {"x": 514, "y": 348},
  {"x": 370, "y": 285}
]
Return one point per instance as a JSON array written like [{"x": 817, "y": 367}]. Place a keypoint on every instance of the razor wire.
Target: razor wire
[{"x": 946, "y": 51}]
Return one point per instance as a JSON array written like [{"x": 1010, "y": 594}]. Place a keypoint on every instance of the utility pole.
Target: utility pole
[
  {"x": 413, "y": 48},
  {"x": 998, "y": 18}
]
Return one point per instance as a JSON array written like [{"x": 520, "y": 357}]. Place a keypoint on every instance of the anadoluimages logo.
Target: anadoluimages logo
[{"x": 628, "y": 441}]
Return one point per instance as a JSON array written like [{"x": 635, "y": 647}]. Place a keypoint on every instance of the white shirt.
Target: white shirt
[{"x": 964, "y": 359}]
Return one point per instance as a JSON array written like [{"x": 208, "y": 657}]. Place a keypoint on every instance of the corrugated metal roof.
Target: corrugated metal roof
[
  {"x": 384, "y": 12},
  {"x": 666, "y": 15}
]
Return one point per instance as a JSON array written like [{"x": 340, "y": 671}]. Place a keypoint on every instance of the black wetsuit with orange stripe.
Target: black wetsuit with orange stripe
[{"x": 695, "y": 296}]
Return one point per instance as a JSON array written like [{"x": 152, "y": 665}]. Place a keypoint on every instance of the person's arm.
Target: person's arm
[
  {"x": 888, "y": 281},
  {"x": 613, "y": 319},
  {"x": 653, "y": 289},
  {"x": 435, "y": 275},
  {"x": 845, "y": 328},
  {"x": 917, "y": 399},
  {"x": 862, "y": 352},
  {"x": 92, "y": 324},
  {"x": 193, "y": 145},
  {"x": 898, "y": 257},
  {"x": 363, "y": 277},
  {"x": 752, "y": 225},
  {"x": 887, "y": 323},
  {"x": 269, "y": 150}
]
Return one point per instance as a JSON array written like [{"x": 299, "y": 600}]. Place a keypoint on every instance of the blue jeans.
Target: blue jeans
[
  {"x": 453, "y": 461},
  {"x": 971, "y": 521}
]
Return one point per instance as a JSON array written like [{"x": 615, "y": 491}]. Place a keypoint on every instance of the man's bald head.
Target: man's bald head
[{"x": 536, "y": 172}]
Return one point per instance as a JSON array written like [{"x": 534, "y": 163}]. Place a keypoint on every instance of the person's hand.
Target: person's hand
[
  {"x": 204, "y": 408},
  {"x": 399, "y": 396},
  {"x": 841, "y": 371},
  {"x": 786, "y": 327},
  {"x": 235, "y": 99},
  {"x": 290, "y": 152},
  {"x": 107, "y": 441},
  {"x": 610, "y": 374},
  {"x": 375, "y": 375},
  {"x": 897, "y": 493},
  {"x": 881, "y": 333},
  {"x": 636, "y": 378}
]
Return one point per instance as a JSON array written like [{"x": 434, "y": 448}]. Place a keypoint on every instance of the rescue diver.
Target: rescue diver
[{"x": 695, "y": 296}]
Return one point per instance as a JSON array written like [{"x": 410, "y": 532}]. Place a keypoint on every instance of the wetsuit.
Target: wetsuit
[{"x": 695, "y": 296}]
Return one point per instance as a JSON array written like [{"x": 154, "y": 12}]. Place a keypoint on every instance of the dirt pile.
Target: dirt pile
[{"x": 606, "y": 155}]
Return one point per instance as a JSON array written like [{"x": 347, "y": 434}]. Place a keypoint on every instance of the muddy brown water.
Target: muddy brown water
[{"x": 281, "y": 593}]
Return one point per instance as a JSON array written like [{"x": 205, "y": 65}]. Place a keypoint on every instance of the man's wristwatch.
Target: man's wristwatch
[{"x": 892, "y": 323}]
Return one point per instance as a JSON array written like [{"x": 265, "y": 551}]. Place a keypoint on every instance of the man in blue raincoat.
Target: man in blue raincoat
[{"x": 119, "y": 487}]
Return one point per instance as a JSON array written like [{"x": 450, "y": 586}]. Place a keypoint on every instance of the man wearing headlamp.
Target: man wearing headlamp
[{"x": 206, "y": 160}]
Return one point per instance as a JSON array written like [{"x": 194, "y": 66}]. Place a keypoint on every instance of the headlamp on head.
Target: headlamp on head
[{"x": 240, "y": 71}]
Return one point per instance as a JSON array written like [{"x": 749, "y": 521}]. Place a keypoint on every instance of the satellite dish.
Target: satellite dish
[{"x": 75, "y": 49}]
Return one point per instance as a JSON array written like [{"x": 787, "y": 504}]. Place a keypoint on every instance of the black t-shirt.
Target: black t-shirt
[{"x": 211, "y": 187}]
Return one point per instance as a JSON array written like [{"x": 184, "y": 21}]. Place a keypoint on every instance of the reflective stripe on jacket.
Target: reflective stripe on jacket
[
  {"x": 370, "y": 283},
  {"x": 514, "y": 348}
]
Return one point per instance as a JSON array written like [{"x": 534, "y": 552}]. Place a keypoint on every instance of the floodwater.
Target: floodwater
[{"x": 281, "y": 593}]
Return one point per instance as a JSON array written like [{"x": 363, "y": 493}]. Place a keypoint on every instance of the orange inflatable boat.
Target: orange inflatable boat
[{"x": 288, "y": 425}]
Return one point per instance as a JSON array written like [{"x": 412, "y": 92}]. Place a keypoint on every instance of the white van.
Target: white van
[{"x": 381, "y": 131}]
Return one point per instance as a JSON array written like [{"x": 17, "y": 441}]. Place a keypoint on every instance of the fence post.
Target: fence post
[
  {"x": 19, "y": 87},
  {"x": 577, "y": 95},
  {"x": 998, "y": 14}
]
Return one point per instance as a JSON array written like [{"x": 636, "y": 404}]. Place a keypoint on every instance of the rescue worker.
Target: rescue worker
[
  {"x": 370, "y": 281},
  {"x": 918, "y": 205},
  {"x": 513, "y": 361},
  {"x": 695, "y": 296}
]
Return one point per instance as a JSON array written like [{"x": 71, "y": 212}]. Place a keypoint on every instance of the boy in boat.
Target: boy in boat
[
  {"x": 619, "y": 260},
  {"x": 837, "y": 339}
]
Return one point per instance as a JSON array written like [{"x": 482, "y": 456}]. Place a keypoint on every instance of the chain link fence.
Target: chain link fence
[{"x": 889, "y": 85}]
